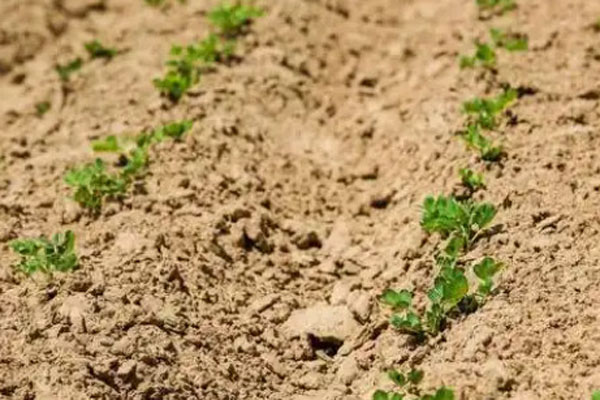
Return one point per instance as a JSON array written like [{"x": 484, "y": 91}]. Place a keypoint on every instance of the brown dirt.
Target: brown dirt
[{"x": 186, "y": 291}]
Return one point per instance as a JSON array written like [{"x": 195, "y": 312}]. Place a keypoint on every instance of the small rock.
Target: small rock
[
  {"x": 74, "y": 309},
  {"x": 360, "y": 306},
  {"x": 263, "y": 303},
  {"x": 127, "y": 370},
  {"x": 241, "y": 344},
  {"x": 322, "y": 321},
  {"x": 339, "y": 294},
  {"x": 307, "y": 241},
  {"x": 381, "y": 201},
  {"x": 274, "y": 365},
  {"x": 311, "y": 380},
  {"x": 240, "y": 213},
  {"x": 348, "y": 371}
]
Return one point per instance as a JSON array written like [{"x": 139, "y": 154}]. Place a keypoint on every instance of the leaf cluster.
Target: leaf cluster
[
  {"x": 186, "y": 65},
  {"x": 47, "y": 255},
  {"x": 230, "y": 19},
  {"x": 496, "y": 5},
  {"x": 485, "y": 53},
  {"x": 471, "y": 180},
  {"x": 487, "y": 149},
  {"x": 66, "y": 70},
  {"x": 93, "y": 183},
  {"x": 509, "y": 41},
  {"x": 459, "y": 220},
  {"x": 98, "y": 50},
  {"x": 484, "y": 112},
  {"x": 42, "y": 108},
  {"x": 407, "y": 384}
]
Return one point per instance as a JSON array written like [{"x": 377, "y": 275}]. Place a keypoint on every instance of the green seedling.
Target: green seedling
[
  {"x": 42, "y": 108},
  {"x": 407, "y": 384},
  {"x": 454, "y": 219},
  {"x": 65, "y": 71},
  {"x": 596, "y": 395},
  {"x": 97, "y": 50},
  {"x": 500, "y": 5},
  {"x": 186, "y": 65},
  {"x": 230, "y": 19},
  {"x": 93, "y": 184},
  {"x": 485, "y": 111},
  {"x": 484, "y": 56},
  {"x": 42, "y": 254},
  {"x": 471, "y": 180},
  {"x": 488, "y": 150},
  {"x": 509, "y": 41},
  {"x": 485, "y": 271},
  {"x": 110, "y": 144}
]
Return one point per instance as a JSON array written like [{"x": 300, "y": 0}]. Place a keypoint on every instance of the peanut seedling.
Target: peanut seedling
[
  {"x": 93, "y": 184},
  {"x": 42, "y": 108},
  {"x": 455, "y": 219},
  {"x": 230, "y": 19},
  {"x": 407, "y": 386},
  {"x": 484, "y": 56},
  {"x": 65, "y": 71},
  {"x": 98, "y": 50},
  {"x": 496, "y": 5},
  {"x": 509, "y": 41},
  {"x": 488, "y": 150},
  {"x": 471, "y": 180},
  {"x": 485, "y": 111},
  {"x": 485, "y": 271},
  {"x": 42, "y": 254}
]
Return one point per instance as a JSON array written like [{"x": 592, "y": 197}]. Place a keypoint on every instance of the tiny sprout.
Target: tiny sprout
[
  {"x": 42, "y": 108},
  {"x": 509, "y": 41},
  {"x": 484, "y": 56},
  {"x": 471, "y": 180},
  {"x": 65, "y": 71},
  {"x": 97, "y": 50},
  {"x": 46, "y": 255},
  {"x": 230, "y": 19}
]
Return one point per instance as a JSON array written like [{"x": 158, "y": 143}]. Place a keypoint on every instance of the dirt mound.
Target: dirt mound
[{"x": 250, "y": 264}]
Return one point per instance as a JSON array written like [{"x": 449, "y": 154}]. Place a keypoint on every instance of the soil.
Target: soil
[{"x": 249, "y": 265}]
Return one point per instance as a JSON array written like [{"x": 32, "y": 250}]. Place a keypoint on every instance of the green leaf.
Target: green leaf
[
  {"x": 415, "y": 376},
  {"x": 470, "y": 179},
  {"x": 42, "y": 108},
  {"x": 511, "y": 42},
  {"x": 108, "y": 144},
  {"x": 230, "y": 19},
  {"x": 596, "y": 395},
  {"x": 396, "y": 377},
  {"x": 65, "y": 71},
  {"x": 444, "y": 394},
  {"x": 380, "y": 395},
  {"x": 41, "y": 254},
  {"x": 98, "y": 50},
  {"x": 483, "y": 215},
  {"x": 397, "y": 300},
  {"x": 92, "y": 184},
  {"x": 485, "y": 271},
  {"x": 409, "y": 322}
]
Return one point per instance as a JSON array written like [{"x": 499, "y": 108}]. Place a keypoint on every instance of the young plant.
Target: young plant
[
  {"x": 42, "y": 108},
  {"x": 408, "y": 386},
  {"x": 471, "y": 180},
  {"x": 484, "y": 56},
  {"x": 496, "y": 5},
  {"x": 485, "y": 271},
  {"x": 509, "y": 41},
  {"x": 110, "y": 144},
  {"x": 92, "y": 184},
  {"x": 485, "y": 111},
  {"x": 488, "y": 151},
  {"x": 186, "y": 65},
  {"x": 42, "y": 254},
  {"x": 97, "y": 50},
  {"x": 230, "y": 19},
  {"x": 596, "y": 395},
  {"x": 461, "y": 221},
  {"x": 65, "y": 71}
]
